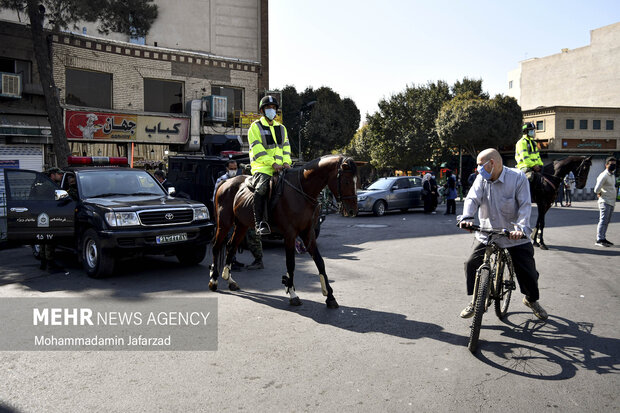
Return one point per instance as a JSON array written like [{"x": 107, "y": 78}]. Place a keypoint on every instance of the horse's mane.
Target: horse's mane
[{"x": 313, "y": 164}]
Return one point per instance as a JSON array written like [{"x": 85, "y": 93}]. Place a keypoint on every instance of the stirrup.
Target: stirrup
[{"x": 263, "y": 228}]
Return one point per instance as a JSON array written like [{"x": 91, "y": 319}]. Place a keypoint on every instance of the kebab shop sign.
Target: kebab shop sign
[{"x": 97, "y": 126}]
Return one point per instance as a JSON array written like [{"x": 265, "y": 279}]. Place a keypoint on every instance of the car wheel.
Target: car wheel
[
  {"x": 379, "y": 208},
  {"x": 192, "y": 255},
  {"x": 97, "y": 263}
]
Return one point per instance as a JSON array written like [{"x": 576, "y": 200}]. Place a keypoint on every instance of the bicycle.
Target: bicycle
[{"x": 495, "y": 281}]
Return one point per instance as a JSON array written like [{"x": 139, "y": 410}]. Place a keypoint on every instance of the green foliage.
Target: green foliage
[
  {"x": 132, "y": 17},
  {"x": 469, "y": 85},
  {"x": 359, "y": 147},
  {"x": 474, "y": 123},
  {"x": 326, "y": 125},
  {"x": 403, "y": 130}
]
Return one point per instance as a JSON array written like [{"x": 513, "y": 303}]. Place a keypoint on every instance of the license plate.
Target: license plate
[{"x": 167, "y": 239}]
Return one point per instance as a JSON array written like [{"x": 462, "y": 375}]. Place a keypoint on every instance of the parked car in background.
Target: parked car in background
[{"x": 396, "y": 192}]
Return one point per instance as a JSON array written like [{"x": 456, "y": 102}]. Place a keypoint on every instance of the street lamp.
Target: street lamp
[{"x": 305, "y": 107}]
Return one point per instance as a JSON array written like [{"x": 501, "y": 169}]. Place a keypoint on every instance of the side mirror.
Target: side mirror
[
  {"x": 171, "y": 190},
  {"x": 60, "y": 194},
  {"x": 393, "y": 188}
]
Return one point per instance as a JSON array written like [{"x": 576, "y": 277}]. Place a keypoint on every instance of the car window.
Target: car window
[
  {"x": 29, "y": 186},
  {"x": 118, "y": 182},
  {"x": 381, "y": 184},
  {"x": 401, "y": 184},
  {"x": 415, "y": 181}
]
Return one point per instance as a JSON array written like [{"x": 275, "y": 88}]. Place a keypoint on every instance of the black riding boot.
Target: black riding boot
[{"x": 262, "y": 228}]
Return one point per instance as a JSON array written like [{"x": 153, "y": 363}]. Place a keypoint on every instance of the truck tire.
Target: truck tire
[
  {"x": 192, "y": 255},
  {"x": 97, "y": 262}
]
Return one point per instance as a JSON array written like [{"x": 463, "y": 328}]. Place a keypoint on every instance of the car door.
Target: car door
[
  {"x": 400, "y": 194},
  {"x": 34, "y": 215},
  {"x": 415, "y": 192}
]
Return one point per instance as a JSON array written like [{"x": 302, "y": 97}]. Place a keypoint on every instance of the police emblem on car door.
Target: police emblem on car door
[{"x": 37, "y": 211}]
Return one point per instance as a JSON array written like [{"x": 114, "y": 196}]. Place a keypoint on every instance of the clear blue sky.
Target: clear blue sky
[{"x": 369, "y": 50}]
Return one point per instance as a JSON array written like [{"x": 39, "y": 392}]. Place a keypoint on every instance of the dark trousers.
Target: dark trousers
[
  {"x": 523, "y": 262},
  {"x": 451, "y": 206}
]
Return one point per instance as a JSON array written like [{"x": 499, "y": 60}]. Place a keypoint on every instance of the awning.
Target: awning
[{"x": 24, "y": 125}]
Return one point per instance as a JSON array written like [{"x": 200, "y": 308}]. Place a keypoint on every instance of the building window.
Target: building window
[
  {"x": 19, "y": 67},
  {"x": 609, "y": 124},
  {"x": 510, "y": 84},
  {"x": 86, "y": 88},
  {"x": 596, "y": 124},
  {"x": 234, "y": 101},
  {"x": 540, "y": 125},
  {"x": 570, "y": 123},
  {"x": 163, "y": 96},
  {"x": 583, "y": 124}
]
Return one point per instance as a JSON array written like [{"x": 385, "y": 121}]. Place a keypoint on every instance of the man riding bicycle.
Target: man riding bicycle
[{"x": 501, "y": 196}]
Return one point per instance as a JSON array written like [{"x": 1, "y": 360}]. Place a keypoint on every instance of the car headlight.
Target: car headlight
[
  {"x": 362, "y": 197},
  {"x": 201, "y": 213},
  {"x": 122, "y": 219}
]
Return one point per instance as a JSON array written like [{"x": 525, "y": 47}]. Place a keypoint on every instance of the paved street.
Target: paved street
[{"x": 395, "y": 344}]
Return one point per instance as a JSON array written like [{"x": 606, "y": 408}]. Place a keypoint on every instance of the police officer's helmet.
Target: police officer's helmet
[
  {"x": 527, "y": 126},
  {"x": 268, "y": 100}
]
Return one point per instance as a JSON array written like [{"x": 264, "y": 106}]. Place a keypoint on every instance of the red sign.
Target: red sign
[{"x": 97, "y": 125}]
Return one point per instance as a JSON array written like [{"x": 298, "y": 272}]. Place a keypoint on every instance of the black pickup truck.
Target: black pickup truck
[{"x": 113, "y": 212}]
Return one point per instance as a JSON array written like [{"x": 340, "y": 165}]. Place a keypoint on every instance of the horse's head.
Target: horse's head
[
  {"x": 582, "y": 171},
  {"x": 343, "y": 184}
]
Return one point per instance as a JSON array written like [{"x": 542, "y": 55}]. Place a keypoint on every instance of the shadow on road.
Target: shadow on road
[
  {"x": 554, "y": 350},
  {"x": 609, "y": 252},
  {"x": 359, "y": 320}
]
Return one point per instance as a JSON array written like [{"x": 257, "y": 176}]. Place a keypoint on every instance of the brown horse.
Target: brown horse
[
  {"x": 294, "y": 212},
  {"x": 553, "y": 175}
]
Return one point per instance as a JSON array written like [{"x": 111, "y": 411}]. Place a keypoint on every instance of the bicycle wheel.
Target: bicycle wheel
[
  {"x": 504, "y": 284},
  {"x": 481, "y": 294}
]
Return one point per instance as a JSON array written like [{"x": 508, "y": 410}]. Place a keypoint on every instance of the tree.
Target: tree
[
  {"x": 469, "y": 85},
  {"x": 132, "y": 17},
  {"x": 327, "y": 125},
  {"x": 403, "y": 130},
  {"x": 474, "y": 123}
]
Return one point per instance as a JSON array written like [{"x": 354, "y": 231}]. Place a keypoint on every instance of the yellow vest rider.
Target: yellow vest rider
[
  {"x": 270, "y": 151},
  {"x": 527, "y": 155}
]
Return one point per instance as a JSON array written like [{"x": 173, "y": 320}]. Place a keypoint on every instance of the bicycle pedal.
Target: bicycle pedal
[{"x": 510, "y": 285}]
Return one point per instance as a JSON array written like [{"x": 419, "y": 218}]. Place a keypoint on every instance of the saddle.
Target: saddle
[{"x": 276, "y": 188}]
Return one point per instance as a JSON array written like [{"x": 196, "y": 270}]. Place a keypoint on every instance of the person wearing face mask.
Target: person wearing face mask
[
  {"x": 527, "y": 155},
  {"x": 270, "y": 152},
  {"x": 605, "y": 190},
  {"x": 501, "y": 197}
]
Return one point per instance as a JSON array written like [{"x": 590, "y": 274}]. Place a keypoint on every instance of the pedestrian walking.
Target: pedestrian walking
[
  {"x": 605, "y": 190},
  {"x": 569, "y": 186},
  {"x": 451, "y": 193}
]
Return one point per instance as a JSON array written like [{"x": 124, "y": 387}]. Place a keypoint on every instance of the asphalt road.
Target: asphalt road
[{"x": 395, "y": 344}]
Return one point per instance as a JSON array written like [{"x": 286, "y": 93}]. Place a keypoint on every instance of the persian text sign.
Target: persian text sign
[
  {"x": 103, "y": 324},
  {"x": 118, "y": 127}
]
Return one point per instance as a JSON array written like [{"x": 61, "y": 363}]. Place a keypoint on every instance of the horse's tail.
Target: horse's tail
[{"x": 223, "y": 211}]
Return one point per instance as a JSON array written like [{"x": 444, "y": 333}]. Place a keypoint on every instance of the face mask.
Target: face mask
[
  {"x": 611, "y": 167},
  {"x": 270, "y": 113},
  {"x": 232, "y": 173},
  {"x": 483, "y": 172},
  {"x": 530, "y": 133}
]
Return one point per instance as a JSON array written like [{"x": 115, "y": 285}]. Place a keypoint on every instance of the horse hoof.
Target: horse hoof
[
  {"x": 234, "y": 287},
  {"x": 212, "y": 286},
  {"x": 332, "y": 303},
  {"x": 295, "y": 301},
  {"x": 543, "y": 247}
]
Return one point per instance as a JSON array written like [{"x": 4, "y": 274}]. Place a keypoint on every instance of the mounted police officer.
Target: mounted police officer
[
  {"x": 527, "y": 155},
  {"x": 270, "y": 151}
]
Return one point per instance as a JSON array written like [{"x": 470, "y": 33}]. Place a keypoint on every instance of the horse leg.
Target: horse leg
[
  {"x": 231, "y": 249},
  {"x": 326, "y": 289},
  {"x": 287, "y": 280},
  {"x": 535, "y": 233},
  {"x": 542, "y": 228},
  {"x": 218, "y": 245}
]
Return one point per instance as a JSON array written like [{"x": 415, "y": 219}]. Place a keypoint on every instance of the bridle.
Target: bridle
[
  {"x": 339, "y": 197},
  {"x": 581, "y": 168}
]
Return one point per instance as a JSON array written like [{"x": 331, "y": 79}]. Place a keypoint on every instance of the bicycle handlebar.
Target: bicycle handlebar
[{"x": 496, "y": 231}]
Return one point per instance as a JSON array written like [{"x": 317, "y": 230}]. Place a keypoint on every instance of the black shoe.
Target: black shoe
[
  {"x": 601, "y": 243},
  {"x": 607, "y": 243},
  {"x": 256, "y": 265}
]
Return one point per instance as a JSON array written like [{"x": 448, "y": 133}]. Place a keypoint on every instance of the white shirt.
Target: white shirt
[
  {"x": 503, "y": 203},
  {"x": 606, "y": 187}
]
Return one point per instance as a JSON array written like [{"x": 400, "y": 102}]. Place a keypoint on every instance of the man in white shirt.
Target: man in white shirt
[
  {"x": 501, "y": 196},
  {"x": 605, "y": 190}
]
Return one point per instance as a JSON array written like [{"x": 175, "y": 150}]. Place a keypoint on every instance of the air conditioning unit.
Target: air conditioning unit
[
  {"x": 215, "y": 108},
  {"x": 11, "y": 85}
]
